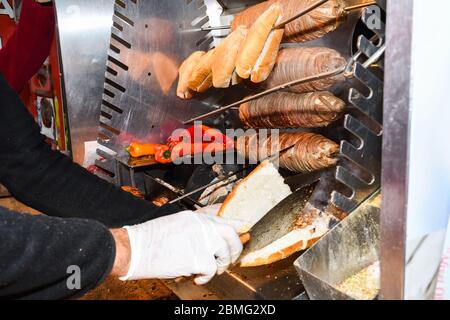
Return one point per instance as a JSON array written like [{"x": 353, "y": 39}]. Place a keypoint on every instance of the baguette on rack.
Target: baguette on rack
[
  {"x": 224, "y": 59},
  {"x": 297, "y": 63},
  {"x": 292, "y": 110},
  {"x": 313, "y": 25},
  {"x": 201, "y": 78},
  {"x": 185, "y": 72},
  {"x": 311, "y": 152},
  {"x": 259, "y": 52},
  {"x": 253, "y": 197}
]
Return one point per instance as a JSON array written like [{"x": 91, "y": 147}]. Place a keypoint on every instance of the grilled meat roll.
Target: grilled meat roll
[
  {"x": 313, "y": 25},
  {"x": 312, "y": 152},
  {"x": 292, "y": 110},
  {"x": 296, "y": 63}
]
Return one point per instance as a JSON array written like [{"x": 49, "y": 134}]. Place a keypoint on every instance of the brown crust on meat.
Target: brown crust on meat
[
  {"x": 312, "y": 152},
  {"x": 185, "y": 72},
  {"x": 311, "y": 26},
  {"x": 297, "y": 63},
  {"x": 291, "y": 110}
]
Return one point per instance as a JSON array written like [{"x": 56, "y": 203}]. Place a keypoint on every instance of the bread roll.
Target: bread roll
[
  {"x": 260, "y": 49},
  {"x": 224, "y": 59},
  {"x": 313, "y": 25},
  {"x": 201, "y": 77},
  {"x": 292, "y": 110},
  {"x": 266, "y": 61},
  {"x": 297, "y": 63},
  {"x": 185, "y": 72},
  {"x": 312, "y": 152}
]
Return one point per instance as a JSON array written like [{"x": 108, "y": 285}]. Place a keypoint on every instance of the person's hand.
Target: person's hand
[
  {"x": 241, "y": 227},
  {"x": 212, "y": 210},
  {"x": 183, "y": 244}
]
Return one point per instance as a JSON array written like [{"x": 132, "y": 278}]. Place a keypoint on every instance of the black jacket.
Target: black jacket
[{"x": 36, "y": 252}]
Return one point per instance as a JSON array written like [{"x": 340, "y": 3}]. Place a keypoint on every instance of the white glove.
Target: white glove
[
  {"x": 241, "y": 226},
  {"x": 212, "y": 210},
  {"x": 183, "y": 244}
]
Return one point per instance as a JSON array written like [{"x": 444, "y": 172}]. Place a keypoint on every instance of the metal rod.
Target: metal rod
[
  {"x": 300, "y": 14},
  {"x": 349, "y": 70},
  {"x": 174, "y": 190},
  {"x": 375, "y": 57},
  {"x": 215, "y": 28},
  {"x": 230, "y": 175},
  {"x": 267, "y": 92},
  {"x": 359, "y": 6}
]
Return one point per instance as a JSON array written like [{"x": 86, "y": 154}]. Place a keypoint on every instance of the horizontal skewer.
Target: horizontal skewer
[
  {"x": 270, "y": 91},
  {"x": 231, "y": 175},
  {"x": 299, "y": 15},
  {"x": 360, "y": 6},
  {"x": 175, "y": 190},
  {"x": 346, "y": 70}
]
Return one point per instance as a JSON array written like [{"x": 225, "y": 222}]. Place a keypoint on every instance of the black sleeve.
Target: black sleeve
[
  {"x": 51, "y": 183},
  {"x": 41, "y": 256}
]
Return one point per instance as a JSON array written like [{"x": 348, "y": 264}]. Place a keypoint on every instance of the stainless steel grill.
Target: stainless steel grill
[{"x": 138, "y": 103}]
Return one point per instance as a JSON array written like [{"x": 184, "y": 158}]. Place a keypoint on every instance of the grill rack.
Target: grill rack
[{"x": 117, "y": 108}]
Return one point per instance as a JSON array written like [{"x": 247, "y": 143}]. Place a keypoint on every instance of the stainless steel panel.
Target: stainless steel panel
[
  {"x": 149, "y": 41},
  {"x": 84, "y": 29},
  {"x": 278, "y": 281},
  {"x": 395, "y": 147}
]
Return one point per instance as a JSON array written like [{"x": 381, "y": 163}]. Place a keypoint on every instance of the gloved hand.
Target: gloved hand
[
  {"x": 183, "y": 244},
  {"x": 211, "y": 210}
]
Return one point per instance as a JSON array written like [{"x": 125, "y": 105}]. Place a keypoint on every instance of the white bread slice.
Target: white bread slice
[
  {"x": 224, "y": 60},
  {"x": 256, "y": 40},
  {"x": 297, "y": 240},
  {"x": 255, "y": 195},
  {"x": 185, "y": 72}
]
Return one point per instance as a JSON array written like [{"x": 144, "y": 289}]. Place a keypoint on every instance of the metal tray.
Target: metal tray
[{"x": 347, "y": 249}]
